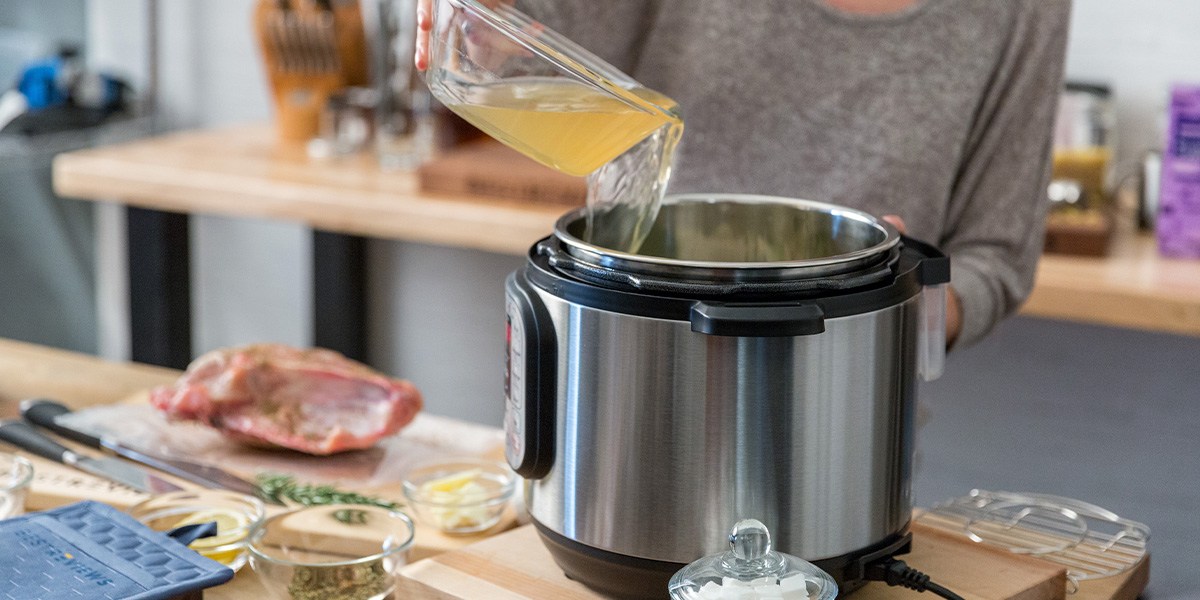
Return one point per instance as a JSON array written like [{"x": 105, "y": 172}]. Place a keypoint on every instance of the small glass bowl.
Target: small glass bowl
[
  {"x": 438, "y": 494},
  {"x": 236, "y": 515},
  {"x": 15, "y": 474},
  {"x": 344, "y": 551}
]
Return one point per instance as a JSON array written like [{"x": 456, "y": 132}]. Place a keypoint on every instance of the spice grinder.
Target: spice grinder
[{"x": 757, "y": 357}]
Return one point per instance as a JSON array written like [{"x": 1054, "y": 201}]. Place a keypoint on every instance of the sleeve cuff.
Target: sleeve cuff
[{"x": 980, "y": 307}]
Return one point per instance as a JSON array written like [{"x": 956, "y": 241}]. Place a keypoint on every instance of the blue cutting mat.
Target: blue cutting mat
[{"x": 89, "y": 551}]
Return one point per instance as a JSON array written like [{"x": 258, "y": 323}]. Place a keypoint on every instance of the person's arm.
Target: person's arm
[{"x": 996, "y": 215}]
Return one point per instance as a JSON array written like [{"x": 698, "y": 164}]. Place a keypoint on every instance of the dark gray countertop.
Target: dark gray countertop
[{"x": 1108, "y": 416}]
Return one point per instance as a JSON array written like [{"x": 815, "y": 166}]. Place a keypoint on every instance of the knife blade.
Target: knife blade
[
  {"x": 31, "y": 440},
  {"x": 45, "y": 413}
]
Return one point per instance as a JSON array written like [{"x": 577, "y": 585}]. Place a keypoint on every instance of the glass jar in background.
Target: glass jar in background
[
  {"x": 1083, "y": 147},
  {"x": 404, "y": 123},
  {"x": 16, "y": 473},
  {"x": 347, "y": 123}
]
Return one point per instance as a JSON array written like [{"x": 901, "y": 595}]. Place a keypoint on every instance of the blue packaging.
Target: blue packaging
[
  {"x": 1179, "y": 193},
  {"x": 91, "y": 550}
]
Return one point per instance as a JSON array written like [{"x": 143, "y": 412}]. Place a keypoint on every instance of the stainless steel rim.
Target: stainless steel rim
[{"x": 734, "y": 271}]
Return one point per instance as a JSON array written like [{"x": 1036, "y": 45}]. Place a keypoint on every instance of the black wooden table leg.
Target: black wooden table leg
[
  {"x": 160, "y": 300},
  {"x": 339, "y": 293}
]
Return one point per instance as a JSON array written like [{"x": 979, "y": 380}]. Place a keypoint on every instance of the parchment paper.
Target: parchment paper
[{"x": 428, "y": 437}]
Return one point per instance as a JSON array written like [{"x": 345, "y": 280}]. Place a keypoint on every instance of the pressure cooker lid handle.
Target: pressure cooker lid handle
[
  {"x": 757, "y": 320},
  {"x": 933, "y": 273},
  {"x": 934, "y": 266}
]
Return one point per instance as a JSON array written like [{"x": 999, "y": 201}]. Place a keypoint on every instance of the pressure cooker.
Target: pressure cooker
[{"x": 756, "y": 357}]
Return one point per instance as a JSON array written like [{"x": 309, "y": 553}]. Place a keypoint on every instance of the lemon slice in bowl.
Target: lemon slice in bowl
[
  {"x": 451, "y": 483},
  {"x": 231, "y": 529}
]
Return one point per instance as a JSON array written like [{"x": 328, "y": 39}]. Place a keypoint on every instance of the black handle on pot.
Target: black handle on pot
[
  {"x": 934, "y": 267},
  {"x": 757, "y": 320},
  {"x": 529, "y": 416}
]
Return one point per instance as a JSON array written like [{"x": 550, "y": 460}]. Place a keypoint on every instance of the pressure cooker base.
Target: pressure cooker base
[
  {"x": 609, "y": 573},
  {"x": 633, "y": 578}
]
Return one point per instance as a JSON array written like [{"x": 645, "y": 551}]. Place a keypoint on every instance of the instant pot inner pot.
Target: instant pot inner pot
[
  {"x": 738, "y": 237},
  {"x": 753, "y": 229}
]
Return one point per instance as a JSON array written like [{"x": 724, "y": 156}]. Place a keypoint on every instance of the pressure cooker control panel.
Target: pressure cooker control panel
[
  {"x": 529, "y": 397},
  {"x": 514, "y": 385}
]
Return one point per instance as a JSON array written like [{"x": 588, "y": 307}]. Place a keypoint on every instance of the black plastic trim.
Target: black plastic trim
[
  {"x": 757, "y": 320},
  {"x": 631, "y": 577},
  {"x": 849, "y": 569},
  {"x": 541, "y": 362},
  {"x": 934, "y": 269},
  {"x": 906, "y": 283},
  {"x": 612, "y": 574}
]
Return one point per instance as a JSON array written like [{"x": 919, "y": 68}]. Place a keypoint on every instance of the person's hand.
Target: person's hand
[
  {"x": 424, "y": 26},
  {"x": 953, "y": 304}
]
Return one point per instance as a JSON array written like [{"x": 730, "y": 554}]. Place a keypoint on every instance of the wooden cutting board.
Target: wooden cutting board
[
  {"x": 489, "y": 169},
  {"x": 382, "y": 467},
  {"x": 516, "y": 566},
  {"x": 375, "y": 472}
]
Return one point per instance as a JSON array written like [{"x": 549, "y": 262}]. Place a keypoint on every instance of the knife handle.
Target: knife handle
[
  {"x": 44, "y": 414},
  {"x": 21, "y": 435}
]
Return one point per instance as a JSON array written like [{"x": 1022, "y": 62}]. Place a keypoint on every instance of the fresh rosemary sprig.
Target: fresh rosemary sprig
[{"x": 280, "y": 488}]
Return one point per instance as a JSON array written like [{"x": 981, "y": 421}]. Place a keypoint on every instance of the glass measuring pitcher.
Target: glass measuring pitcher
[{"x": 537, "y": 91}]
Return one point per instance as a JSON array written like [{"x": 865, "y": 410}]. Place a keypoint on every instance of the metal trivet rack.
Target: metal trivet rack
[{"x": 1091, "y": 542}]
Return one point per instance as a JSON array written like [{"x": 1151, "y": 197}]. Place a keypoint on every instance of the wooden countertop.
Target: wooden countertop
[
  {"x": 28, "y": 370},
  {"x": 79, "y": 380},
  {"x": 244, "y": 172},
  {"x": 1132, "y": 287}
]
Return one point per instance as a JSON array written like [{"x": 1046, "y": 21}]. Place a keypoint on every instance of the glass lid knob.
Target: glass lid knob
[
  {"x": 749, "y": 540},
  {"x": 751, "y": 569}
]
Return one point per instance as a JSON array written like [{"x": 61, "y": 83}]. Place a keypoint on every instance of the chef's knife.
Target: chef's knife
[
  {"x": 31, "y": 440},
  {"x": 45, "y": 414}
]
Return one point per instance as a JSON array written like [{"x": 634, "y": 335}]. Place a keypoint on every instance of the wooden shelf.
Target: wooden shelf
[
  {"x": 244, "y": 172},
  {"x": 1132, "y": 287}
]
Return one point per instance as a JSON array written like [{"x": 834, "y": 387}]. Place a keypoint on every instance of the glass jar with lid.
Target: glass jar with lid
[
  {"x": 1083, "y": 147},
  {"x": 752, "y": 569}
]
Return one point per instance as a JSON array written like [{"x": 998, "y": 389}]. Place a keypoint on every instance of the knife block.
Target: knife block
[{"x": 309, "y": 52}]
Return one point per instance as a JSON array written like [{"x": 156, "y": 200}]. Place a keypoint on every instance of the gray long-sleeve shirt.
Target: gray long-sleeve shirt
[{"x": 941, "y": 113}]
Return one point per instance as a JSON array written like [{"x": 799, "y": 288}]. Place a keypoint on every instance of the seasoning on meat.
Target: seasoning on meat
[{"x": 315, "y": 401}]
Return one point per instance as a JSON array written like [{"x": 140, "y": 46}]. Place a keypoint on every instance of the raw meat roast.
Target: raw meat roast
[{"x": 315, "y": 401}]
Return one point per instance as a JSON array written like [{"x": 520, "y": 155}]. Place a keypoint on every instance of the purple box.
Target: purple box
[{"x": 1179, "y": 200}]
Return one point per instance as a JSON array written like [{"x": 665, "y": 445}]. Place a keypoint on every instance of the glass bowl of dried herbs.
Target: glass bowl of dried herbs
[{"x": 332, "y": 552}]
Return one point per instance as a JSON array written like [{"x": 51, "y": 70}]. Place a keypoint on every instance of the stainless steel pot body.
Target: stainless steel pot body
[{"x": 664, "y": 436}]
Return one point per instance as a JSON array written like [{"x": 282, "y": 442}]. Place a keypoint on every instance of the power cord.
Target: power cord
[{"x": 897, "y": 573}]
